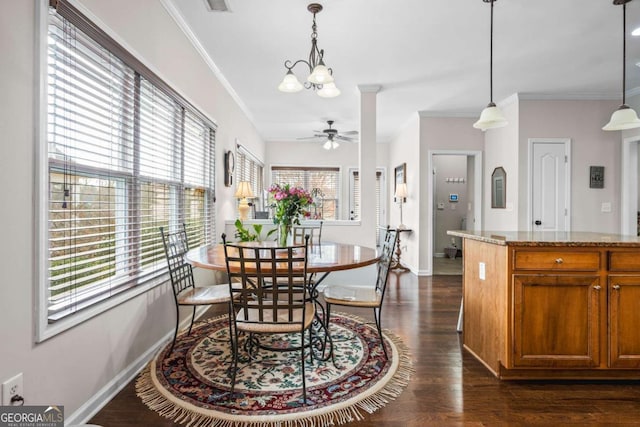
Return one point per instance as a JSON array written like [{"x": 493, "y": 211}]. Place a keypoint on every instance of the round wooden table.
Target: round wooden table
[{"x": 323, "y": 258}]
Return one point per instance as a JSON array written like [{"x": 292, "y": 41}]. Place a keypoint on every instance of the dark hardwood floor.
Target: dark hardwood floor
[{"x": 449, "y": 388}]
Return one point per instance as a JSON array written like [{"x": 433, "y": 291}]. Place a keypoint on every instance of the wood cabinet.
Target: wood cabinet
[{"x": 553, "y": 310}]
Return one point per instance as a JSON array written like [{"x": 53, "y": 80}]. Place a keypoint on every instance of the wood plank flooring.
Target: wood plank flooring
[{"x": 449, "y": 388}]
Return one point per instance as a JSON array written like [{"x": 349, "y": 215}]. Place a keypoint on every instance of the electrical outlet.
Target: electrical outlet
[{"x": 10, "y": 388}]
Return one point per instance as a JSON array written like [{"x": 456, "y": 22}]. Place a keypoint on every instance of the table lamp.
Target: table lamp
[
  {"x": 401, "y": 193},
  {"x": 243, "y": 191}
]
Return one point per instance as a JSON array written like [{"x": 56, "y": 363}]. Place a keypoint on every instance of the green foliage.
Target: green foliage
[{"x": 244, "y": 234}]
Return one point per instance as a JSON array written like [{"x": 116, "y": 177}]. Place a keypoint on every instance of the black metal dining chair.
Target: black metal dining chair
[
  {"x": 185, "y": 293},
  {"x": 283, "y": 306},
  {"x": 366, "y": 296}
]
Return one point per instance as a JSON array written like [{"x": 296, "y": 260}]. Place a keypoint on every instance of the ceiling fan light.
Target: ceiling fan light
[
  {"x": 290, "y": 83},
  {"x": 329, "y": 90},
  {"x": 623, "y": 118},
  {"x": 320, "y": 75},
  {"x": 335, "y": 144},
  {"x": 327, "y": 145},
  {"x": 490, "y": 118}
]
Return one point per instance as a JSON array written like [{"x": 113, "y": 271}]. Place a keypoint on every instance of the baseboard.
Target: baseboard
[
  {"x": 439, "y": 255},
  {"x": 96, "y": 402}
]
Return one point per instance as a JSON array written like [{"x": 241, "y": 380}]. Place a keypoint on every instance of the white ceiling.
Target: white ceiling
[{"x": 428, "y": 56}]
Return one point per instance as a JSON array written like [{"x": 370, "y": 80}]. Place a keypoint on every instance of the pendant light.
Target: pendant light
[
  {"x": 491, "y": 117},
  {"x": 624, "y": 117}
]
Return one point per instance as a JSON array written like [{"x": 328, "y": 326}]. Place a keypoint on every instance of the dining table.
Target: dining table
[{"x": 322, "y": 259}]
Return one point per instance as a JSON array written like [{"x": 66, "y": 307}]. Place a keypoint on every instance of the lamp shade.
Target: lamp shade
[
  {"x": 243, "y": 190},
  {"x": 490, "y": 118},
  {"x": 320, "y": 75},
  {"x": 623, "y": 118},
  {"x": 290, "y": 83},
  {"x": 401, "y": 191},
  {"x": 329, "y": 90}
]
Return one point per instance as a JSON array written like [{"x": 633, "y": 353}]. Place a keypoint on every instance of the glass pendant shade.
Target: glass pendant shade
[
  {"x": 490, "y": 118},
  {"x": 320, "y": 75},
  {"x": 290, "y": 83},
  {"x": 623, "y": 118},
  {"x": 329, "y": 90},
  {"x": 327, "y": 145}
]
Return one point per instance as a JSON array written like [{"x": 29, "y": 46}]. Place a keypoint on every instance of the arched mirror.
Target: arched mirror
[{"x": 499, "y": 188}]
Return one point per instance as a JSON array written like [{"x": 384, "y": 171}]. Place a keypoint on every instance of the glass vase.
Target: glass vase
[{"x": 284, "y": 234}]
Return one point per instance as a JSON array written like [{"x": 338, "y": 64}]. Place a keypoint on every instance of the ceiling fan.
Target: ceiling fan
[{"x": 332, "y": 137}]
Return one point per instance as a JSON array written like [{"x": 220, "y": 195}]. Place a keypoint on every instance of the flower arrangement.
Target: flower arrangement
[{"x": 289, "y": 204}]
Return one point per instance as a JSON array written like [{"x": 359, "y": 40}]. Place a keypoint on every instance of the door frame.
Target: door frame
[
  {"x": 476, "y": 155},
  {"x": 567, "y": 152},
  {"x": 629, "y": 186}
]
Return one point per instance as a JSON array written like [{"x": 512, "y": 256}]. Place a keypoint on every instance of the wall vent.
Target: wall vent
[{"x": 218, "y": 5}]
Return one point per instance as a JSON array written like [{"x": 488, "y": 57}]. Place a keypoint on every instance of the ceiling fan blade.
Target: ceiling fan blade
[
  {"x": 350, "y": 132},
  {"x": 313, "y": 137},
  {"x": 347, "y": 138}
]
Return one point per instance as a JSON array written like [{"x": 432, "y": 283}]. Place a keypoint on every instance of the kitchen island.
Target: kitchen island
[{"x": 552, "y": 305}]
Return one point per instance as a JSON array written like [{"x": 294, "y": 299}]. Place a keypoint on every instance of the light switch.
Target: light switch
[
  {"x": 606, "y": 207},
  {"x": 481, "y": 271}
]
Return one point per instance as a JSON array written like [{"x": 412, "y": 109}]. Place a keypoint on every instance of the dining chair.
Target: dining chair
[
  {"x": 314, "y": 231},
  {"x": 282, "y": 307},
  {"x": 185, "y": 293},
  {"x": 366, "y": 296}
]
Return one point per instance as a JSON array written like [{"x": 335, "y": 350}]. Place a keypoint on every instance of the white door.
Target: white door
[{"x": 549, "y": 185}]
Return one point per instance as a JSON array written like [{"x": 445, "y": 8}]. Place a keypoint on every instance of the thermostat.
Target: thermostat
[{"x": 453, "y": 197}]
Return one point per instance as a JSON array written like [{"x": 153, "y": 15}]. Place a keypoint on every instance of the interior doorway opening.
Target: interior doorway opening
[{"x": 456, "y": 204}]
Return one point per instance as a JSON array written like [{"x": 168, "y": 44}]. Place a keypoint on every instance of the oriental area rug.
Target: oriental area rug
[{"x": 192, "y": 385}]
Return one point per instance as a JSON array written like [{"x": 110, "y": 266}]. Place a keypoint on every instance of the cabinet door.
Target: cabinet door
[
  {"x": 557, "y": 321},
  {"x": 624, "y": 321}
]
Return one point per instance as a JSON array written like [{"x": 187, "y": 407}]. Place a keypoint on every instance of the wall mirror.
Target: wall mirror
[{"x": 498, "y": 188}]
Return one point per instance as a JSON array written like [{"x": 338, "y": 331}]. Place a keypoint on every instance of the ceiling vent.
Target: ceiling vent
[{"x": 218, "y": 5}]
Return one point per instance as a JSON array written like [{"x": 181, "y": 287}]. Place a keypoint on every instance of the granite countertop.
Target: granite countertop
[{"x": 548, "y": 238}]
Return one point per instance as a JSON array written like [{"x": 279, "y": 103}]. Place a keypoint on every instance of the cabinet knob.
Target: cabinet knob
[
  {"x": 597, "y": 287},
  {"x": 616, "y": 287},
  {"x": 559, "y": 260}
]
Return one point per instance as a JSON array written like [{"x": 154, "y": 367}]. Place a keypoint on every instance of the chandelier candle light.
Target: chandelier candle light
[
  {"x": 243, "y": 192},
  {"x": 401, "y": 194},
  {"x": 491, "y": 117},
  {"x": 320, "y": 77},
  {"x": 624, "y": 117}
]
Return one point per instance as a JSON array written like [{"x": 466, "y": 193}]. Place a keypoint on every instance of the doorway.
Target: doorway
[
  {"x": 456, "y": 203},
  {"x": 549, "y": 185}
]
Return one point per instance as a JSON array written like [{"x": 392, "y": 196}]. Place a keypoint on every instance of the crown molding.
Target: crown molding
[{"x": 369, "y": 88}]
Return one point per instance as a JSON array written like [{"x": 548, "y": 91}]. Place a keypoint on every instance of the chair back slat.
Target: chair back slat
[
  {"x": 384, "y": 263},
  {"x": 269, "y": 282},
  {"x": 176, "y": 246},
  {"x": 313, "y": 231}
]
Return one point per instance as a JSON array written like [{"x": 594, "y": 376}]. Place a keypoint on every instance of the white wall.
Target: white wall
[
  {"x": 73, "y": 366},
  {"x": 501, "y": 149},
  {"x": 581, "y": 121}
]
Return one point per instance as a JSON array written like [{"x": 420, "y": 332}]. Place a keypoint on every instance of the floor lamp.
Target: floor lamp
[
  {"x": 401, "y": 194},
  {"x": 242, "y": 192}
]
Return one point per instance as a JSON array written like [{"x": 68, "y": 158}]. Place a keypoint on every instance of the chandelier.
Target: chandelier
[{"x": 320, "y": 77}]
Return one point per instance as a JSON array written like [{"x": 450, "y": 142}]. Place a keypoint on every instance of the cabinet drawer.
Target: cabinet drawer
[
  {"x": 624, "y": 261},
  {"x": 556, "y": 260}
]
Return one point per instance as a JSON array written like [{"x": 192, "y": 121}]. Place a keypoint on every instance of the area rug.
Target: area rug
[{"x": 191, "y": 386}]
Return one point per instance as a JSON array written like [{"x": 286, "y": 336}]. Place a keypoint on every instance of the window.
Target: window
[
  {"x": 355, "y": 199},
  {"x": 323, "y": 184},
  {"x": 249, "y": 168},
  {"x": 125, "y": 155}
]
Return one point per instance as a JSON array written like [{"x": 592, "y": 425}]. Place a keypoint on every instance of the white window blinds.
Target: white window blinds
[
  {"x": 356, "y": 197},
  {"x": 249, "y": 168},
  {"x": 323, "y": 184},
  {"x": 126, "y": 155}
]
